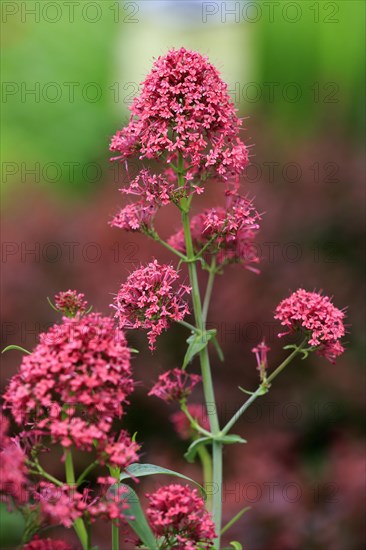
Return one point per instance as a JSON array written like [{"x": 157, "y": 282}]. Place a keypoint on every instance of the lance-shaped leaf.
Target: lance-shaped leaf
[
  {"x": 230, "y": 439},
  {"x": 194, "y": 446},
  {"x": 140, "y": 470},
  {"x": 135, "y": 517},
  {"x": 196, "y": 343},
  {"x": 18, "y": 348}
]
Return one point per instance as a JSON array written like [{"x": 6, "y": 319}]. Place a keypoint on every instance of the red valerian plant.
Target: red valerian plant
[{"x": 73, "y": 389}]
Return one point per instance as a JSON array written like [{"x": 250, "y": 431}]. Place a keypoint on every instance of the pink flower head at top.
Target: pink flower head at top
[
  {"x": 228, "y": 234},
  {"x": 174, "y": 385},
  {"x": 177, "y": 513},
  {"x": 150, "y": 299},
  {"x": 74, "y": 384},
  {"x": 70, "y": 303},
  {"x": 182, "y": 424},
  {"x": 317, "y": 317},
  {"x": 13, "y": 471},
  {"x": 184, "y": 109}
]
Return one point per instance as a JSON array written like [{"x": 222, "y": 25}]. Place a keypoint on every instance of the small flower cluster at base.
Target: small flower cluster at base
[
  {"x": 229, "y": 234},
  {"x": 150, "y": 299},
  {"x": 177, "y": 513},
  {"x": 174, "y": 385},
  {"x": 184, "y": 109},
  {"x": 63, "y": 505},
  {"x": 46, "y": 544},
  {"x": 182, "y": 424},
  {"x": 316, "y": 316},
  {"x": 13, "y": 471},
  {"x": 74, "y": 384},
  {"x": 71, "y": 303}
]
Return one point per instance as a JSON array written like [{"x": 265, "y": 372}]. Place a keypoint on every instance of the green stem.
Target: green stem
[
  {"x": 153, "y": 234},
  {"x": 195, "y": 425},
  {"x": 261, "y": 389},
  {"x": 41, "y": 472},
  {"x": 206, "y": 462},
  {"x": 116, "y": 473},
  {"x": 47, "y": 476},
  {"x": 79, "y": 525},
  {"x": 205, "y": 362},
  {"x": 88, "y": 469},
  {"x": 210, "y": 283},
  {"x": 115, "y": 536},
  {"x": 188, "y": 325}
]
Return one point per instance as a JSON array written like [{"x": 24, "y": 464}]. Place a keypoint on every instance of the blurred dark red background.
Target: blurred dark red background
[{"x": 302, "y": 470}]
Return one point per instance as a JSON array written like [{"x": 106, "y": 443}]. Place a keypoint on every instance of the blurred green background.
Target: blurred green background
[{"x": 296, "y": 70}]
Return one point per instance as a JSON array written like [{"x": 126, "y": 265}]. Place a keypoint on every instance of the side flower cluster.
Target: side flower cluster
[
  {"x": 178, "y": 514},
  {"x": 227, "y": 234},
  {"x": 74, "y": 384},
  {"x": 175, "y": 385},
  {"x": 150, "y": 299},
  {"x": 63, "y": 505},
  {"x": 315, "y": 315},
  {"x": 154, "y": 191},
  {"x": 13, "y": 471}
]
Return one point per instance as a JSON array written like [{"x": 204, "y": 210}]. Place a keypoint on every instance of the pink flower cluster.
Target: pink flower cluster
[
  {"x": 177, "y": 513},
  {"x": 70, "y": 303},
  {"x": 182, "y": 424},
  {"x": 174, "y": 385},
  {"x": 13, "y": 471},
  {"x": 318, "y": 317},
  {"x": 150, "y": 300},
  {"x": 153, "y": 191},
  {"x": 228, "y": 234},
  {"x": 46, "y": 544},
  {"x": 74, "y": 384},
  {"x": 184, "y": 109},
  {"x": 63, "y": 505}
]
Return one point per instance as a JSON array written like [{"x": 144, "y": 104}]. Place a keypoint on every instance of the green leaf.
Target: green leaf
[
  {"x": 246, "y": 391},
  {"x": 13, "y": 346},
  {"x": 12, "y": 526},
  {"x": 218, "y": 348},
  {"x": 262, "y": 390},
  {"x": 230, "y": 439},
  {"x": 194, "y": 446},
  {"x": 141, "y": 470},
  {"x": 137, "y": 521},
  {"x": 235, "y": 519},
  {"x": 235, "y": 544},
  {"x": 196, "y": 343}
]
